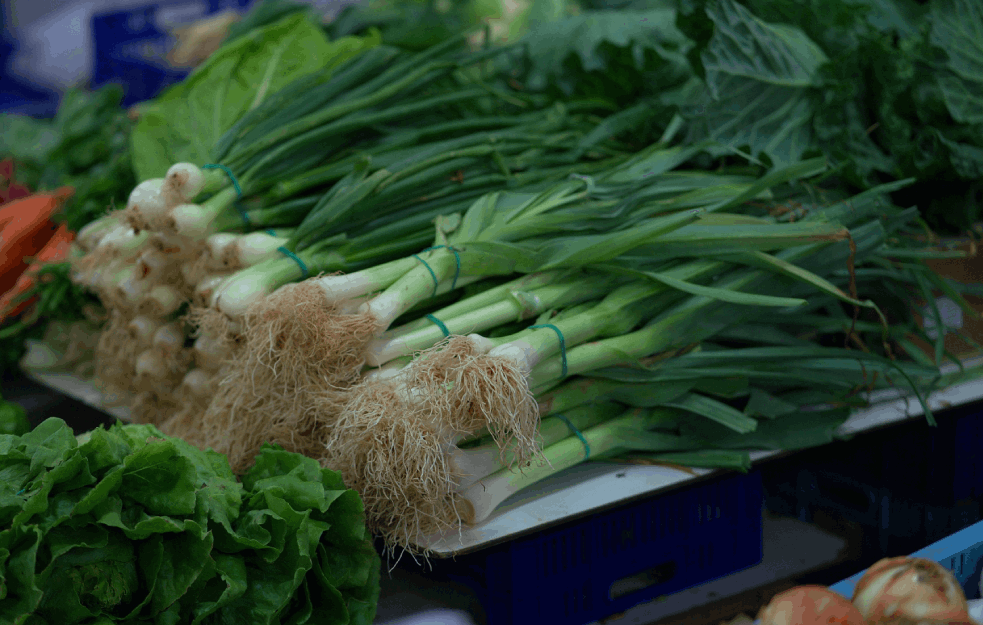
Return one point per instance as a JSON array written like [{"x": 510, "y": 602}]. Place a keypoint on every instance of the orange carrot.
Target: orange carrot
[
  {"x": 55, "y": 250},
  {"x": 23, "y": 222}
]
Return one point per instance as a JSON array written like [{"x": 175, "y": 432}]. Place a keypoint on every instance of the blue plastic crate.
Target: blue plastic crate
[
  {"x": 905, "y": 486},
  {"x": 961, "y": 553},
  {"x": 606, "y": 563}
]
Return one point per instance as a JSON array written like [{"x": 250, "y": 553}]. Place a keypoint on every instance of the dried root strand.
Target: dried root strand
[
  {"x": 389, "y": 447},
  {"x": 297, "y": 353},
  {"x": 474, "y": 391}
]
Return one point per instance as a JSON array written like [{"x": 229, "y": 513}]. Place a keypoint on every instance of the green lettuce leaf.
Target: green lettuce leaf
[
  {"x": 126, "y": 525},
  {"x": 183, "y": 123}
]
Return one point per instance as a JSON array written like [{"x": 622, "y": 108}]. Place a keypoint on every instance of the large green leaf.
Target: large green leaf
[
  {"x": 757, "y": 80},
  {"x": 184, "y": 122},
  {"x": 650, "y": 39},
  {"x": 957, "y": 28}
]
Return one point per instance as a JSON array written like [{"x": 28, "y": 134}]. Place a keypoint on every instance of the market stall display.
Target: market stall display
[{"x": 452, "y": 270}]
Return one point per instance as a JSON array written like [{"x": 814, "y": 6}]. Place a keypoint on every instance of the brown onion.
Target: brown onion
[
  {"x": 910, "y": 591},
  {"x": 810, "y": 605}
]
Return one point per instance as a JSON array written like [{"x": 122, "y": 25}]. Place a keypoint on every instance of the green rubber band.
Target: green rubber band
[
  {"x": 432, "y": 274},
  {"x": 228, "y": 172},
  {"x": 440, "y": 324},
  {"x": 303, "y": 268},
  {"x": 563, "y": 345},
  {"x": 235, "y": 185},
  {"x": 271, "y": 232},
  {"x": 244, "y": 215},
  {"x": 457, "y": 260},
  {"x": 577, "y": 433}
]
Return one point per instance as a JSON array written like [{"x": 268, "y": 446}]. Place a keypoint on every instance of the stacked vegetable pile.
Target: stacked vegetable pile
[
  {"x": 335, "y": 171},
  {"x": 886, "y": 90},
  {"x": 400, "y": 266},
  {"x": 127, "y": 526},
  {"x": 79, "y": 165}
]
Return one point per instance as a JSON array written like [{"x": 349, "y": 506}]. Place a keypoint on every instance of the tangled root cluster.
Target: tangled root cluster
[
  {"x": 475, "y": 391},
  {"x": 298, "y": 358},
  {"x": 391, "y": 440},
  {"x": 391, "y": 448}
]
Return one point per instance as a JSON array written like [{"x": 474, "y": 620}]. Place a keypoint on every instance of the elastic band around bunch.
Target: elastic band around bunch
[
  {"x": 577, "y": 433},
  {"x": 228, "y": 172},
  {"x": 457, "y": 261},
  {"x": 271, "y": 232},
  {"x": 235, "y": 185},
  {"x": 433, "y": 275},
  {"x": 303, "y": 268},
  {"x": 563, "y": 345},
  {"x": 440, "y": 324}
]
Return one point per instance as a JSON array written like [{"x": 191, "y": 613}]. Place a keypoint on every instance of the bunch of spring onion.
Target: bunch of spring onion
[
  {"x": 463, "y": 376},
  {"x": 628, "y": 264},
  {"x": 302, "y": 347},
  {"x": 382, "y": 171}
]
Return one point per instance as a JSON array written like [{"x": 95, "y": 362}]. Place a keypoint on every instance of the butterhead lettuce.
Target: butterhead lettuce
[{"x": 126, "y": 525}]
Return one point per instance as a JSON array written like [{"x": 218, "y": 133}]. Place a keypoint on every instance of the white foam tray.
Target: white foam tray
[{"x": 590, "y": 487}]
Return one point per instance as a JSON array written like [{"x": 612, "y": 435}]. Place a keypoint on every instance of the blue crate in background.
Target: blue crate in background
[
  {"x": 130, "y": 50},
  {"x": 905, "y": 485},
  {"x": 606, "y": 563},
  {"x": 961, "y": 553}
]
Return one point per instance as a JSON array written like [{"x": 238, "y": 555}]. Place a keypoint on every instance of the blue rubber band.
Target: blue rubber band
[
  {"x": 576, "y": 433},
  {"x": 21, "y": 491},
  {"x": 296, "y": 259},
  {"x": 228, "y": 172},
  {"x": 457, "y": 261},
  {"x": 271, "y": 232},
  {"x": 440, "y": 324},
  {"x": 563, "y": 345}
]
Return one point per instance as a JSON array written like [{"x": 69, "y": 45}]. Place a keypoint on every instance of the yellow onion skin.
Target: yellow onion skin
[
  {"x": 910, "y": 591},
  {"x": 810, "y": 605}
]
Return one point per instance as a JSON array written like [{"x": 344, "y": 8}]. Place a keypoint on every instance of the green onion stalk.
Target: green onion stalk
[
  {"x": 581, "y": 341},
  {"x": 336, "y": 317}
]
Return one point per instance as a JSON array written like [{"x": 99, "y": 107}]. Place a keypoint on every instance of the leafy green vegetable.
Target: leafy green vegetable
[
  {"x": 86, "y": 146},
  {"x": 756, "y": 77},
  {"x": 13, "y": 418},
  {"x": 58, "y": 300},
  {"x": 885, "y": 89},
  {"x": 127, "y": 525},
  {"x": 184, "y": 123}
]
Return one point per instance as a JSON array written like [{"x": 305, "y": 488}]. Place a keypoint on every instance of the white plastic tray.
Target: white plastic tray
[{"x": 590, "y": 487}]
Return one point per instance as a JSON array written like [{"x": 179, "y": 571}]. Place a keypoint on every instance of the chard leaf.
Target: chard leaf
[
  {"x": 596, "y": 45},
  {"x": 967, "y": 160},
  {"x": 184, "y": 122},
  {"x": 957, "y": 28},
  {"x": 757, "y": 80}
]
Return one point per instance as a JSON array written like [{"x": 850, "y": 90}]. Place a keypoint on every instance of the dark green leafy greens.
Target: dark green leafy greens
[
  {"x": 886, "y": 89},
  {"x": 86, "y": 146},
  {"x": 126, "y": 525}
]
